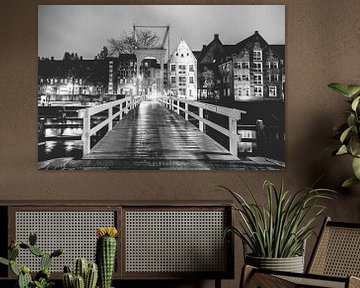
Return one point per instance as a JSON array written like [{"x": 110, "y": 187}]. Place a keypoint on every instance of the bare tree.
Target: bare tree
[
  {"x": 209, "y": 80},
  {"x": 129, "y": 41}
]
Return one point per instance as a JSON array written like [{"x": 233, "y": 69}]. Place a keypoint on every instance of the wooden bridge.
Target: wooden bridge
[{"x": 153, "y": 135}]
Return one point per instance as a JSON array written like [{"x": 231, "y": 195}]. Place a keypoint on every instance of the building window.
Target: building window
[
  {"x": 257, "y": 55},
  {"x": 272, "y": 91},
  {"x": 258, "y": 67},
  {"x": 190, "y": 92},
  {"x": 276, "y": 77},
  {"x": 268, "y": 65},
  {"x": 245, "y": 65},
  {"x": 182, "y": 91},
  {"x": 276, "y": 64},
  {"x": 191, "y": 80},
  {"x": 182, "y": 79},
  {"x": 182, "y": 67},
  {"x": 182, "y": 55},
  {"x": 269, "y": 77},
  {"x": 173, "y": 67},
  {"x": 177, "y": 54},
  {"x": 258, "y": 79},
  {"x": 258, "y": 91},
  {"x": 173, "y": 80},
  {"x": 245, "y": 77},
  {"x": 191, "y": 68},
  {"x": 228, "y": 92}
]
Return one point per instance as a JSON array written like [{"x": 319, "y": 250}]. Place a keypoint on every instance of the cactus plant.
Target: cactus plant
[
  {"x": 81, "y": 265},
  {"x": 105, "y": 254},
  {"x": 84, "y": 274},
  {"x": 42, "y": 278},
  {"x": 24, "y": 277},
  {"x": 91, "y": 275},
  {"x": 79, "y": 282}
]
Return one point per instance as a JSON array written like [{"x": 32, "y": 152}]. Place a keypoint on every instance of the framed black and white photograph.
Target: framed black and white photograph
[{"x": 161, "y": 87}]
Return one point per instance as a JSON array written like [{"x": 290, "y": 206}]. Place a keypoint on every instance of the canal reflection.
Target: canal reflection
[
  {"x": 59, "y": 149},
  {"x": 59, "y": 142}
]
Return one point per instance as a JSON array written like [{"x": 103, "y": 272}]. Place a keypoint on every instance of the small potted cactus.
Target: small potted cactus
[
  {"x": 42, "y": 278},
  {"x": 85, "y": 275},
  {"x": 106, "y": 254}
]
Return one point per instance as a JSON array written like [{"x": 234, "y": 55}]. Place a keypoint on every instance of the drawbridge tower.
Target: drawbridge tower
[{"x": 158, "y": 52}]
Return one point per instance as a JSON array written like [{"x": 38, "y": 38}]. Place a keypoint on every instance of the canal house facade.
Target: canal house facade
[
  {"x": 253, "y": 70},
  {"x": 182, "y": 72}
]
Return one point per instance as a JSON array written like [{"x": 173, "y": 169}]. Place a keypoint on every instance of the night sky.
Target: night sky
[{"x": 84, "y": 29}]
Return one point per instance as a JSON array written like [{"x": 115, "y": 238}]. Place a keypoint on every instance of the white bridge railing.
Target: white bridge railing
[
  {"x": 233, "y": 115},
  {"x": 124, "y": 106}
]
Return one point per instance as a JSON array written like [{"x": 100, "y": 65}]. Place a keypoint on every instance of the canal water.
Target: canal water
[{"x": 62, "y": 144}]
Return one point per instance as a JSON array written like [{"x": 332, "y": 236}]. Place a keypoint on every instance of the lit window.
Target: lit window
[
  {"x": 182, "y": 79},
  {"x": 258, "y": 79},
  {"x": 268, "y": 64},
  {"x": 258, "y": 91},
  {"x": 245, "y": 77},
  {"x": 245, "y": 65},
  {"x": 272, "y": 91},
  {"x": 258, "y": 67},
  {"x": 257, "y": 55}
]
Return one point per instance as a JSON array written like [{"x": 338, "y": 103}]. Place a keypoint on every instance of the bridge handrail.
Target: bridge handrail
[
  {"x": 85, "y": 114},
  {"x": 233, "y": 114}
]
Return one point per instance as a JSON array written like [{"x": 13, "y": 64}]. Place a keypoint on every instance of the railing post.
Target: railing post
[
  {"x": 132, "y": 103},
  {"x": 110, "y": 119},
  {"x": 86, "y": 132},
  {"x": 201, "y": 115},
  {"x": 172, "y": 104},
  {"x": 233, "y": 139},
  {"x": 121, "y": 111},
  {"x": 178, "y": 106},
  {"x": 186, "y": 111}
]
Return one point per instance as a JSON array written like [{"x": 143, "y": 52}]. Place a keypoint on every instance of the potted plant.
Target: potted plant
[
  {"x": 42, "y": 278},
  {"x": 276, "y": 233},
  {"x": 348, "y": 133}
]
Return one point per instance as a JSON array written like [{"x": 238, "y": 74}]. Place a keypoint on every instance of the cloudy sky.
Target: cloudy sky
[{"x": 85, "y": 29}]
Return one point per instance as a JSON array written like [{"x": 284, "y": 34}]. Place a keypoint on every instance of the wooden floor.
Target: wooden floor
[{"x": 153, "y": 137}]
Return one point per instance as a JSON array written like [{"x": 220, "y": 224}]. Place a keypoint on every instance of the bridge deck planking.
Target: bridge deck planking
[{"x": 153, "y": 137}]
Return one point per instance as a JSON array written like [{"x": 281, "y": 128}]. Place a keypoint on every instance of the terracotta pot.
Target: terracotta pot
[{"x": 291, "y": 264}]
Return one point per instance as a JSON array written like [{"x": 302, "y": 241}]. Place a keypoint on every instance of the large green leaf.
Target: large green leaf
[
  {"x": 356, "y": 167},
  {"x": 353, "y": 89},
  {"x": 340, "y": 88},
  {"x": 355, "y": 103},
  {"x": 344, "y": 135},
  {"x": 349, "y": 182},
  {"x": 342, "y": 150}
]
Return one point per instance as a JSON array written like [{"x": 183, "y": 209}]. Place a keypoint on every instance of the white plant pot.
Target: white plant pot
[{"x": 291, "y": 264}]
